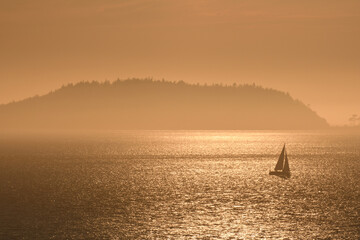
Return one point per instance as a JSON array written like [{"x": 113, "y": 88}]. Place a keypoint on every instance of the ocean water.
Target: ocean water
[{"x": 179, "y": 185}]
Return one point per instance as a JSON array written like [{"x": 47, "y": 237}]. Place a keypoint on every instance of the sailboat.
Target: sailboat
[{"x": 282, "y": 168}]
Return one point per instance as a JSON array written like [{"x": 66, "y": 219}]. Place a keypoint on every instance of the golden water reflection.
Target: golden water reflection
[{"x": 180, "y": 185}]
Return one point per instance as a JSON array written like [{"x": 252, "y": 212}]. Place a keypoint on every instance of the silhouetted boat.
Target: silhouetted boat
[{"x": 282, "y": 168}]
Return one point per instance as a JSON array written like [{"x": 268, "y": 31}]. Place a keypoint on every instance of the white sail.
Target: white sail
[
  {"x": 286, "y": 165},
  {"x": 280, "y": 163}
]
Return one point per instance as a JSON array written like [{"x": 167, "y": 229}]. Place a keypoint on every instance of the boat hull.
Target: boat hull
[{"x": 280, "y": 174}]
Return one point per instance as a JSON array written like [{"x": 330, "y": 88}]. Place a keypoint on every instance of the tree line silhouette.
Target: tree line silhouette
[{"x": 159, "y": 104}]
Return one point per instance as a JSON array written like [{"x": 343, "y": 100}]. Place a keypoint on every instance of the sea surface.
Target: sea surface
[{"x": 179, "y": 185}]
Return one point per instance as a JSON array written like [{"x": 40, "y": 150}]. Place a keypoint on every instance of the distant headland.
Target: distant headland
[{"x": 149, "y": 104}]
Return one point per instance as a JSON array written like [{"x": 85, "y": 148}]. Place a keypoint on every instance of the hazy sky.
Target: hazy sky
[{"x": 309, "y": 48}]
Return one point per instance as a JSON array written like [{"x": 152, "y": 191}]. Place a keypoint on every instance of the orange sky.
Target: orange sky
[{"x": 309, "y": 48}]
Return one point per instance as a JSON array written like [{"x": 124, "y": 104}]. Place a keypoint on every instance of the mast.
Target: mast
[{"x": 280, "y": 163}]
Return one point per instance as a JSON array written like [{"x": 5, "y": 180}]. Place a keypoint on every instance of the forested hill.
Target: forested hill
[{"x": 147, "y": 104}]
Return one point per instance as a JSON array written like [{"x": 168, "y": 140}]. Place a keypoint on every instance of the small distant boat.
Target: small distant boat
[{"x": 282, "y": 168}]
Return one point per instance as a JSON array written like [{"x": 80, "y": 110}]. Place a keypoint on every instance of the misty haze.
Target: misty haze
[{"x": 191, "y": 119}]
